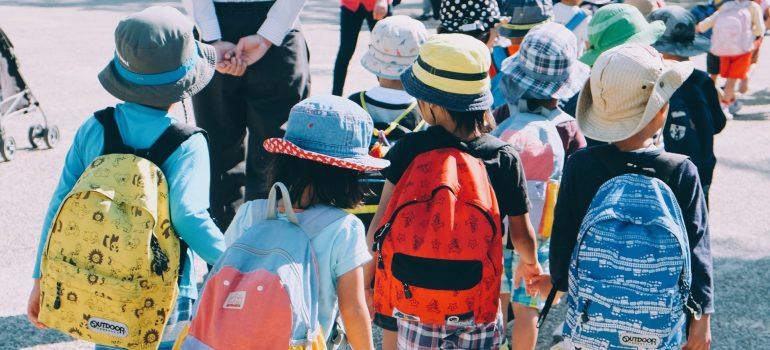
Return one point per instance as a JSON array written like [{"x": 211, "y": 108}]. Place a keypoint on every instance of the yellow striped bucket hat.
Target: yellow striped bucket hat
[{"x": 451, "y": 71}]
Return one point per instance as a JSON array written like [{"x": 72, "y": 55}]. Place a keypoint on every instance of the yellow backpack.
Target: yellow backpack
[{"x": 111, "y": 264}]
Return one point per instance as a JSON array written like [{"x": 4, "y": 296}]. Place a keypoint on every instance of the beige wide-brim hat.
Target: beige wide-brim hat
[{"x": 628, "y": 86}]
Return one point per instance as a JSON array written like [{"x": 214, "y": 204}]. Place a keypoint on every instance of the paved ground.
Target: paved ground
[{"x": 63, "y": 44}]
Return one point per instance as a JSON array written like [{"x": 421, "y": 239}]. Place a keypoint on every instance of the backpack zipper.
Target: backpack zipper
[
  {"x": 283, "y": 254},
  {"x": 407, "y": 291},
  {"x": 584, "y": 313}
]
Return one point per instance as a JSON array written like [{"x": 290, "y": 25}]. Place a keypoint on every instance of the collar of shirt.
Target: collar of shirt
[{"x": 390, "y": 96}]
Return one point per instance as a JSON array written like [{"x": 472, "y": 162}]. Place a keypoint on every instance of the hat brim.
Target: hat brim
[
  {"x": 387, "y": 70},
  {"x": 516, "y": 83},
  {"x": 596, "y": 126},
  {"x": 363, "y": 163},
  {"x": 699, "y": 45},
  {"x": 163, "y": 95},
  {"x": 451, "y": 101},
  {"x": 647, "y": 36}
]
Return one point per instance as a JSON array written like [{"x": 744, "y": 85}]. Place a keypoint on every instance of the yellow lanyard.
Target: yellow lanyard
[{"x": 395, "y": 123}]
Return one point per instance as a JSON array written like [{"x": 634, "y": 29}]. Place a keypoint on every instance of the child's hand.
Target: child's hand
[
  {"x": 539, "y": 285},
  {"x": 380, "y": 9},
  {"x": 525, "y": 272},
  {"x": 33, "y": 305}
]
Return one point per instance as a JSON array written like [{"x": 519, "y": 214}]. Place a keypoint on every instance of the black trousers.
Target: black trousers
[
  {"x": 259, "y": 101},
  {"x": 350, "y": 26}
]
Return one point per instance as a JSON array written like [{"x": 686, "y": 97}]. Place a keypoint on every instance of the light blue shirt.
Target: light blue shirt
[
  {"x": 186, "y": 170},
  {"x": 339, "y": 248}
]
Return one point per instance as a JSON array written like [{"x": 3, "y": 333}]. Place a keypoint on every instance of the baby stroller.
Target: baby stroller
[{"x": 16, "y": 99}]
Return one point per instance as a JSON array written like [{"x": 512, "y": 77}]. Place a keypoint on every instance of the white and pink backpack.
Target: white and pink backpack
[{"x": 732, "y": 33}]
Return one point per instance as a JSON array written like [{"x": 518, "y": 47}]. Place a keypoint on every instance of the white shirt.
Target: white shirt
[
  {"x": 563, "y": 14},
  {"x": 282, "y": 17}
]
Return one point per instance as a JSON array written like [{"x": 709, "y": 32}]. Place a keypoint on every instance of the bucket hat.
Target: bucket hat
[
  {"x": 680, "y": 38},
  {"x": 629, "y": 84},
  {"x": 157, "y": 61},
  {"x": 524, "y": 15},
  {"x": 618, "y": 24},
  {"x": 468, "y": 16},
  {"x": 545, "y": 67},
  {"x": 451, "y": 71},
  {"x": 331, "y": 130},
  {"x": 396, "y": 42}
]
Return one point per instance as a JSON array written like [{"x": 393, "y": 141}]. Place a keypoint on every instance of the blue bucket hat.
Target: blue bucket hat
[
  {"x": 680, "y": 38},
  {"x": 331, "y": 130},
  {"x": 524, "y": 15},
  {"x": 545, "y": 67}
]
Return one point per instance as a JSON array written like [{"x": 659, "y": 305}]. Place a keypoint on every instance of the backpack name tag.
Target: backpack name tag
[
  {"x": 404, "y": 316},
  {"x": 235, "y": 300},
  {"x": 112, "y": 328},
  {"x": 640, "y": 341}
]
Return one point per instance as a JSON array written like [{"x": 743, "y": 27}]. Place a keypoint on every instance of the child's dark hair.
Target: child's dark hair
[
  {"x": 481, "y": 121},
  {"x": 481, "y": 35},
  {"x": 329, "y": 185}
]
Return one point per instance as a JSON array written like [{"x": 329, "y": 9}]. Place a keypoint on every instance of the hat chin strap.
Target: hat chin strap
[{"x": 155, "y": 79}]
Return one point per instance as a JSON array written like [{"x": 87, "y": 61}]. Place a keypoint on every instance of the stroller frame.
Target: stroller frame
[{"x": 21, "y": 103}]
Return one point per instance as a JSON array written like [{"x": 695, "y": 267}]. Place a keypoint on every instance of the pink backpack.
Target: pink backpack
[{"x": 732, "y": 30}]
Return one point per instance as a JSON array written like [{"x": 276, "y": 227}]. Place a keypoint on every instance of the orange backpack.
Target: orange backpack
[{"x": 439, "y": 246}]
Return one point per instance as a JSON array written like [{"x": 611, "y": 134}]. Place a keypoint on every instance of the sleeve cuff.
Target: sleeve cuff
[
  {"x": 358, "y": 260},
  {"x": 210, "y": 30},
  {"x": 274, "y": 30}
]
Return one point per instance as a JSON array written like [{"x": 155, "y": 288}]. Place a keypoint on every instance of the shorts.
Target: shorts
[
  {"x": 177, "y": 321},
  {"x": 417, "y": 336},
  {"x": 506, "y": 285},
  {"x": 519, "y": 295},
  {"x": 712, "y": 64},
  {"x": 386, "y": 322},
  {"x": 735, "y": 67}
]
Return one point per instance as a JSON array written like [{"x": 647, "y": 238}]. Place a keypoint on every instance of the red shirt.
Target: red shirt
[{"x": 353, "y": 5}]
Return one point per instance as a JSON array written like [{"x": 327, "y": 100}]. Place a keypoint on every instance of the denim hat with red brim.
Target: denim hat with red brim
[
  {"x": 452, "y": 71},
  {"x": 157, "y": 60},
  {"x": 331, "y": 130},
  {"x": 546, "y": 66}
]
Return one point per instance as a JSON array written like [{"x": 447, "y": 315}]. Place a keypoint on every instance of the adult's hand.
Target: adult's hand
[
  {"x": 33, "y": 305},
  {"x": 252, "y": 48},
  {"x": 380, "y": 9},
  {"x": 700, "y": 334}
]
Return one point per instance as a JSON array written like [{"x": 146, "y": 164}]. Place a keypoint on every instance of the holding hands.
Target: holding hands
[{"x": 233, "y": 59}]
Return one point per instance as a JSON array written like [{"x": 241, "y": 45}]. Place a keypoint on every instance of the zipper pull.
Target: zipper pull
[
  {"x": 380, "y": 263},
  {"x": 584, "y": 317},
  {"x": 380, "y": 234},
  {"x": 407, "y": 291},
  {"x": 57, "y": 301}
]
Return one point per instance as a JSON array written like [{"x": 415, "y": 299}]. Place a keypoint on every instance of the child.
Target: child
[
  {"x": 544, "y": 71},
  {"x": 352, "y": 16},
  {"x": 736, "y": 26},
  {"x": 695, "y": 115},
  {"x": 396, "y": 42},
  {"x": 450, "y": 82},
  {"x": 320, "y": 160},
  {"x": 166, "y": 43},
  {"x": 571, "y": 15},
  {"x": 476, "y": 18},
  {"x": 635, "y": 85}
]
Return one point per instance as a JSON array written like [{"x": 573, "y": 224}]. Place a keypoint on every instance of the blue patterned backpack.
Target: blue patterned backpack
[{"x": 629, "y": 278}]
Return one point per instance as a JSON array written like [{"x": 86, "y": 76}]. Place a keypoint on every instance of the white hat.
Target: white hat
[
  {"x": 629, "y": 85},
  {"x": 396, "y": 42}
]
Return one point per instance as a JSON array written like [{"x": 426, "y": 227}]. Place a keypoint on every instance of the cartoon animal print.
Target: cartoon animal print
[
  {"x": 110, "y": 241},
  {"x": 161, "y": 319},
  {"x": 166, "y": 227},
  {"x": 151, "y": 336},
  {"x": 121, "y": 179}
]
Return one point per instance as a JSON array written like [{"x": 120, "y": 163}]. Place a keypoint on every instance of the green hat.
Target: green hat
[{"x": 618, "y": 24}]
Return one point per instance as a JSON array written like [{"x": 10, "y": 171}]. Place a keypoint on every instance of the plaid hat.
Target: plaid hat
[
  {"x": 680, "y": 38},
  {"x": 395, "y": 44},
  {"x": 468, "y": 16},
  {"x": 618, "y": 24},
  {"x": 545, "y": 67},
  {"x": 629, "y": 85},
  {"x": 451, "y": 71},
  {"x": 524, "y": 15}
]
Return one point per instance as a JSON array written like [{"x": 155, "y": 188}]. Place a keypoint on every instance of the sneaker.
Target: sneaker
[
  {"x": 424, "y": 17},
  {"x": 735, "y": 107},
  {"x": 726, "y": 111}
]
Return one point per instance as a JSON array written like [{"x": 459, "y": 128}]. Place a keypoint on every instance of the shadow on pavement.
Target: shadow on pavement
[
  {"x": 102, "y": 5},
  {"x": 16, "y": 333},
  {"x": 759, "y": 166}
]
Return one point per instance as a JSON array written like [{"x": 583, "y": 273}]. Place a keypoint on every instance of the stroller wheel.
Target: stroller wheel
[
  {"x": 7, "y": 148},
  {"x": 35, "y": 134},
  {"x": 51, "y": 136}
]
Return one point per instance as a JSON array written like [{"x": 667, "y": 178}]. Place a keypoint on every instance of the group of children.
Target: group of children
[{"x": 479, "y": 185}]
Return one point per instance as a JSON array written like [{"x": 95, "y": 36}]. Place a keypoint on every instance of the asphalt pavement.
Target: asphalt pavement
[{"x": 63, "y": 44}]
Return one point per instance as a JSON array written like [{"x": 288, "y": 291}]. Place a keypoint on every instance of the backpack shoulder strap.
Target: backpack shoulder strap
[
  {"x": 318, "y": 218},
  {"x": 576, "y": 20},
  {"x": 169, "y": 141},
  {"x": 113, "y": 142},
  {"x": 669, "y": 163}
]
